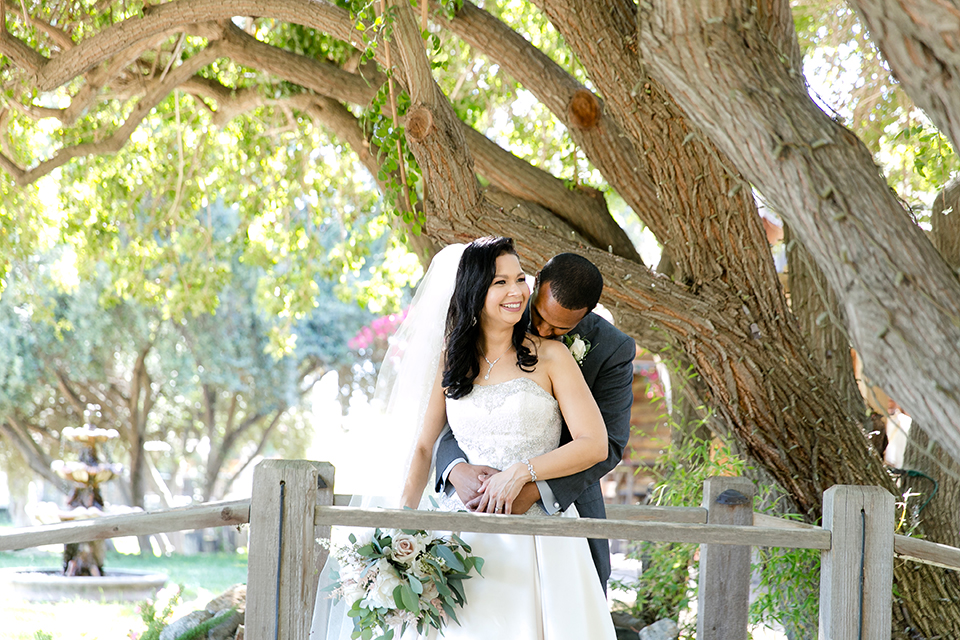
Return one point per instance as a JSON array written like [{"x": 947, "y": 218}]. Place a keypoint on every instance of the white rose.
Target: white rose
[
  {"x": 364, "y": 538},
  {"x": 381, "y": 591},
  {"x": 405, "y": 548},
  {"x": 578, "y": 349},
  {"x": 420, "y": 569},
  {"x": 352, "y": 591}
]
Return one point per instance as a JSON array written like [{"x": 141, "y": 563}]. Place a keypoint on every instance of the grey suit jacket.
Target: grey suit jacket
[{"x": 608, "y": 371}]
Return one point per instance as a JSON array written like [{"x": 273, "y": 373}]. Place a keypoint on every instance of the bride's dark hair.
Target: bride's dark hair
[{"x": 475, "y": 273}]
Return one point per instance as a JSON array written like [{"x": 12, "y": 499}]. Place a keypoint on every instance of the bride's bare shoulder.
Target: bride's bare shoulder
[{"x": 546, "y": 349}]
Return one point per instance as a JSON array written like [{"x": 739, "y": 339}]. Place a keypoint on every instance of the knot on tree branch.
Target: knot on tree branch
[
  {"x": 584, "y": 110},
  {"x": 419, "y": 124}
]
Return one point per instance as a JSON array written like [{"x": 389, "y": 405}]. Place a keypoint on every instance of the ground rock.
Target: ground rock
[
  {"x": 665, "y": 629},
  {"x": 227, "y": 628},
  {"x": 233, "y": 598},
  {"x": 626, "y": 625},
  {"x": 230, "y": 628},
  {"x": 179, "y": 627}
]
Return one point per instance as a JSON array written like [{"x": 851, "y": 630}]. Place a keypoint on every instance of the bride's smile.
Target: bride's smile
[{"x": 508, "y": 293}]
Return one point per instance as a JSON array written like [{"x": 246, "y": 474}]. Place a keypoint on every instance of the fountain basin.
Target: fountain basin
[{"x": 49, "y": 585}]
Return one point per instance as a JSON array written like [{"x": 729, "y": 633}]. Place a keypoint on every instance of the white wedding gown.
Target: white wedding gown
[{"x": 533, "y": 587}]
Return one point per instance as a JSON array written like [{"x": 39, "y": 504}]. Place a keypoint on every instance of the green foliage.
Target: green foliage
[
  {"x": 855, "y": 84},
  {"x": 428, "y": 573},
  {"x": 221, "y": 366},
  {"x": 200, "y": 631},
  {"x": 156, "y": 622},
  {"x": 42, "y": 635},
  {"x": 789, "y": 578},
  {"x": 789, "y": 591}
]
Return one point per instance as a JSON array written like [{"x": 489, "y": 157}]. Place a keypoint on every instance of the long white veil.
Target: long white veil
[{"x": 403, "y": 390}]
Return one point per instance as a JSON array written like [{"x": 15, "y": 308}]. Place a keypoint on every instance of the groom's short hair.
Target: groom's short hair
[{"x": 574, "y": 281}]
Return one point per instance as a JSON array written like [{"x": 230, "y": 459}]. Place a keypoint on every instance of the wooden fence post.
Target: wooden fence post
[
  {"x": 724, "y": 583},
  {"x": 856, "y": 574},
  {"x": 283, "y": 564},
  {"x": 324, "y": 499}
]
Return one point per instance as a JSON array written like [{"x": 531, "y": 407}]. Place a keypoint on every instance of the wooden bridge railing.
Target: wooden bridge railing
[{"x": 293, "y": 505}]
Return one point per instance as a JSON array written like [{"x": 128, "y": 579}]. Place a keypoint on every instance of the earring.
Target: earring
[{"x": 473, "y": 322}]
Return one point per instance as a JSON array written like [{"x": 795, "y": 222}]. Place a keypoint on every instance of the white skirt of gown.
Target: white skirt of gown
[{"x": 532, "y": 587}]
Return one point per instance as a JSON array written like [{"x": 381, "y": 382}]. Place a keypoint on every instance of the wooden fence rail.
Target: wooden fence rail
[
  {"x": 293, "y": 505},
  {"x": 201, "y": 516}
]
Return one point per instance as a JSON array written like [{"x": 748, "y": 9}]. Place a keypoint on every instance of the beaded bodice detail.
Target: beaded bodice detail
[{"x": 500, "y": 424}]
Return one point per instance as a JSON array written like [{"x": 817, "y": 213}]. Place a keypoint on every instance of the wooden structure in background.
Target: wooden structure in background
[{"x": 632, "y": 479}]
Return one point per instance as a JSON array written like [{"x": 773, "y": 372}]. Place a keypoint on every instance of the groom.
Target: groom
[{"x": 566, "y": 291}]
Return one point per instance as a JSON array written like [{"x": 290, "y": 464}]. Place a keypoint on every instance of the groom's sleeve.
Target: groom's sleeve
[
  {"x": 613, "y": 391},
  {"x": 448, "y": 454}
]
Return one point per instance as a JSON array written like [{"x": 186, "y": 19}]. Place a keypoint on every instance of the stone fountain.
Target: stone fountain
[{"x": 83, "y": 574}]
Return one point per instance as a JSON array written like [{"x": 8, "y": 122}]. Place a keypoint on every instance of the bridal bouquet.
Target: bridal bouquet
[{"x": 392, "y": 579}]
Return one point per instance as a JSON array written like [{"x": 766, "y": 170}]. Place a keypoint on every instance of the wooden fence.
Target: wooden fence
[{"x": 293, "y": 504}]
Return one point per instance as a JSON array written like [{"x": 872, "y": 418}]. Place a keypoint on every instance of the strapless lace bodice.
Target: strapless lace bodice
[{"x": 500, "y": 424}]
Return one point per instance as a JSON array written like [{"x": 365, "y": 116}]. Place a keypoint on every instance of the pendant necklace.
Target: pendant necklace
[{"x": 490, "y": 368}]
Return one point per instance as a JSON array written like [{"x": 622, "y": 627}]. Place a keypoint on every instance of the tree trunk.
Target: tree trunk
[
  {"x": 938, "y": 514},
  {"x": 823, "y": 323},
  {"x": 945, "y": 224},
  {"x": 931, "y": 478},
  {"x": 722, "y": 63}
]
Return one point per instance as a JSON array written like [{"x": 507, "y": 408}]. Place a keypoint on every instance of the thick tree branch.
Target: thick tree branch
[
  {"x": 163, "y": 18},
  {"x": 920, "y": 39},
  {"x": 712, "y": 229},
  {"x": 945, "y": 224},
  {"x": 433, "y": 131},
  {"x": 901, "y": 299},
  {"x": 322, "y": 77},
  {"x": 590, "y": 127},
  {"x": 583, "y": 209},
  {"x": 229, "y": 102},
  {"x": 157, "y": 92},
  {"x": 21, "y": 54}
]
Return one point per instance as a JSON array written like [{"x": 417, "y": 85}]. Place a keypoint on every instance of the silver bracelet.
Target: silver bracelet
[{"x": 533, "y": 474}]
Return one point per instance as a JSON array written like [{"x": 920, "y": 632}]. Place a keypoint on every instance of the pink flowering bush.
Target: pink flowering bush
[{"x": 377, "y": 334}]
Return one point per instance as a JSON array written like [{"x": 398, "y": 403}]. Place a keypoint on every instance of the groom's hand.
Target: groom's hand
[
  {"x": 526, "y": 498},
  {"x": 521, "y": 504},
  {"x": 466, "y": 479}
]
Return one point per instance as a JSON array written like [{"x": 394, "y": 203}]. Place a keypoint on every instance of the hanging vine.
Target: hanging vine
[{"x": 399, "y": 172}]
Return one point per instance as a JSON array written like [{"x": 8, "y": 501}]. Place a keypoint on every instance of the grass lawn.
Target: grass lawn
[{"x": 203, "y": 576}]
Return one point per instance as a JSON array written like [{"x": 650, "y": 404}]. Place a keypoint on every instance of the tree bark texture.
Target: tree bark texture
[
  {"x": 945, "y": 224},
  {"x": 920, "y": 40},
  {"x": 823, "y": 323},
  {"x": 901, "y": 300},
  {"x": 722, "y": 65},
  {"x": 934, "y": 502}
]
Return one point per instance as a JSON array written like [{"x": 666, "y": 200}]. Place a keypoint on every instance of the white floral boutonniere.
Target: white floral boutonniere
[{"x": 579, "y": 348}]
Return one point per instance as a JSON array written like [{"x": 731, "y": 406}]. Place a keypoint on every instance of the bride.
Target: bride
[{"x": 503, "y": 393}]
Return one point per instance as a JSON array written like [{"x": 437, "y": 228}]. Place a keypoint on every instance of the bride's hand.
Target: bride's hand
[{"x": 500, "y": 490}]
